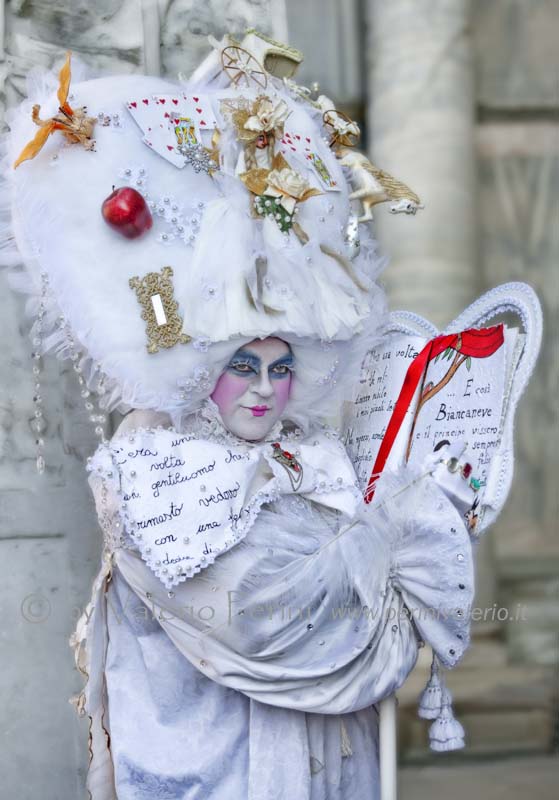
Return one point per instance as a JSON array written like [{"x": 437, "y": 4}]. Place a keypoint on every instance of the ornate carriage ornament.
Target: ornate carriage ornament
[
  {"x": 242, "y": 68},
  {"x": 343, "y": 131}
]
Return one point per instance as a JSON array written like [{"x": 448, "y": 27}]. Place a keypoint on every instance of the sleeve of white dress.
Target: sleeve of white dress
[
  {"x": 311, "y": 614},
  {"x": 432, "y": 565}
]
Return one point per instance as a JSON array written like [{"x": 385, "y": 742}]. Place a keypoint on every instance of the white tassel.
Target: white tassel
[
  {"x": 430, "y": 702},
  {"x": 346, "y": 743},
  {"x": 446, "y": 733}
]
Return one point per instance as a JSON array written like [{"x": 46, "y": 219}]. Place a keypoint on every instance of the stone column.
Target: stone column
[
  {"x": 518, "y": 146},
  {"x": 421, "y": 129}
]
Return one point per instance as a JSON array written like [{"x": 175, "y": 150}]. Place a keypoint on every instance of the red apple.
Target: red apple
[{"x": 126, "y": 211}]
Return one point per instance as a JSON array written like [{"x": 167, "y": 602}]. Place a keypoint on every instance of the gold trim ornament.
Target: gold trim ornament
[
  {"x": 74, "y": 124},
  {"x": 160, "y": 310},
  {"x": 288, "y": 461}
]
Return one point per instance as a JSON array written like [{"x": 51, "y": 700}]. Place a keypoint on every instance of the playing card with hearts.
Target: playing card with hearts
[
  {"x": 161, "y": 143},
  {"x": 305, "y": 150},
  {"x": 197, "y": 108},
  {"x": 200, "y": 109},
  {"x": 173, "y": 122},
  {"x": 173, "y": 134},
  {"x": 142, "y": 110},
  {"x": 157, "y": 132}
]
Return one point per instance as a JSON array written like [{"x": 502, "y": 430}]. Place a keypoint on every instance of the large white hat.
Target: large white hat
[{"x": 249, "y": 239}]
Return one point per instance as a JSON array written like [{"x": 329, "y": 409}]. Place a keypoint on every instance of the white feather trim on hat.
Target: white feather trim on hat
[{"x": 235, "y": 276}]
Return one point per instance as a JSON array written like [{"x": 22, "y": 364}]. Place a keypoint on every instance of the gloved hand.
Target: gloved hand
[{"x": 452, "y": 472}]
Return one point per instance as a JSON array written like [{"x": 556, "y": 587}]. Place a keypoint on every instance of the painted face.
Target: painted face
[
  {"x": 252, "y": 392},
  {"x": 262, "y": 141}
]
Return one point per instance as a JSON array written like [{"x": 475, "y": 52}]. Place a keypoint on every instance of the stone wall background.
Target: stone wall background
[{"x": 461, "y": 99}]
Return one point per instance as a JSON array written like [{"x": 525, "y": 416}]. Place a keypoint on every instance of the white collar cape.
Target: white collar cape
[{"x": 185, "y": 498}]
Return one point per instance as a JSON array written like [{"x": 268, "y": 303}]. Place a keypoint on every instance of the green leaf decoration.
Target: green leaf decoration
[
  {"x": 268, "y": 206},
  {"x": 469, "y": 363}
]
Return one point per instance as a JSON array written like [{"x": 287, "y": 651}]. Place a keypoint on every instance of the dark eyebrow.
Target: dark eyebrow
[
  {"x": 242, "y": 353},
  {"x": 287, "y": 359}
]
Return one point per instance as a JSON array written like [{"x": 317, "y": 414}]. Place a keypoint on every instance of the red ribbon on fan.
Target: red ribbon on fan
[{"x": 475, "y": 342}]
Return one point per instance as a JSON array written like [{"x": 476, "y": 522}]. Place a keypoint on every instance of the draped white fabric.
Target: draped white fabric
[{"x": 236, "y": 684}]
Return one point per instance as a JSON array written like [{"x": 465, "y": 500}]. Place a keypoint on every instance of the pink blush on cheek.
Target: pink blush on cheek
[
  {"x": 228, "y": 389},
  {"x": 282, "y": 388}
]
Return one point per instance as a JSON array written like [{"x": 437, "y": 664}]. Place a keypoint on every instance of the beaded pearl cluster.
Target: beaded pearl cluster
[
  {"x": 39, "y": 423},
  {"x": 98, "y": 418},
  {"x": 177, "y": 223}
]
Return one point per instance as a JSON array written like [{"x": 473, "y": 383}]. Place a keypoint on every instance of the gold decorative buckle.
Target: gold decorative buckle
[{"x": 160, "y": 309}]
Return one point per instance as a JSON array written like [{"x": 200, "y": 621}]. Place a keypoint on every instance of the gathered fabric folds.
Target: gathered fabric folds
[{"x": 262, "y": 672}]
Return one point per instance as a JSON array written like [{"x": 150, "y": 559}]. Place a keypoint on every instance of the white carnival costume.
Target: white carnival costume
[{"x": 250, "y": 610}]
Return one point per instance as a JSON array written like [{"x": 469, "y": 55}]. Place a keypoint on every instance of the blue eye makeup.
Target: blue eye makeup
[
  {"x": 244, "y": 363},
  {"x": 281, "y": 368},
  {"x": 247, "y": 364}
]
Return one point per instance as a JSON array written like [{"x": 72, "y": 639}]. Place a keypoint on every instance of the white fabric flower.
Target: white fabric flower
[
  {"x": 267, "y": 116},
  {"x": 201, "y": 344},
  {"x": 287, "y": 184}
]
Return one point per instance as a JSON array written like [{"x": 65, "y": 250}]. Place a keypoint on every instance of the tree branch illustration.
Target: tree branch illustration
[{"x": 433, "y": 390}]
